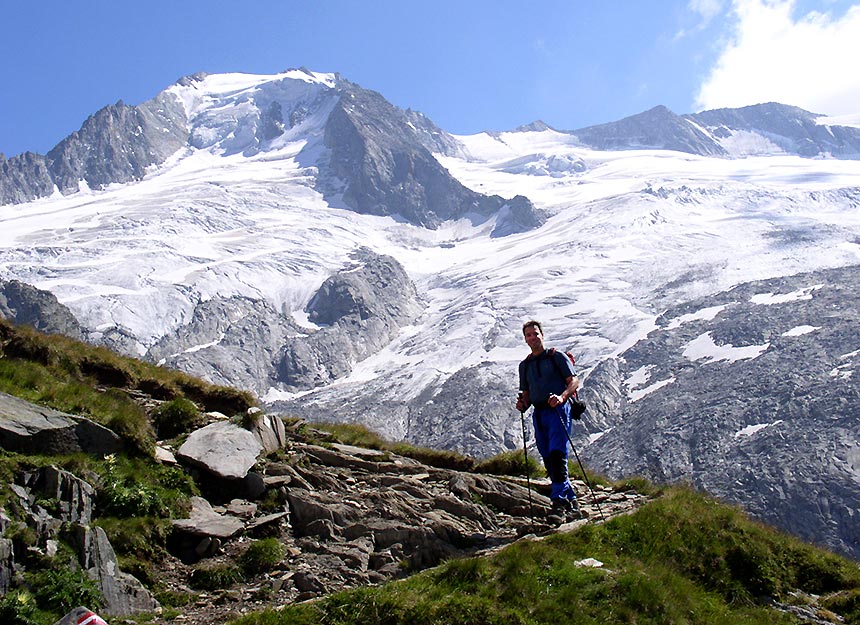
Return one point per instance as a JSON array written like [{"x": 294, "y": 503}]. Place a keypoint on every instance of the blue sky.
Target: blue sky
[{"x": 470, "y": 65}]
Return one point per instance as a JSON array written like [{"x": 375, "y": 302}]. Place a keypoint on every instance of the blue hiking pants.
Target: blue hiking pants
[{"x": 552, "y": 426}]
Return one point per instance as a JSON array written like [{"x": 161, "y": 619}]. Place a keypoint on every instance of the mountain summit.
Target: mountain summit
[
  {"x": 368, "y": 154},
  {"x": 762, "y": 129}
]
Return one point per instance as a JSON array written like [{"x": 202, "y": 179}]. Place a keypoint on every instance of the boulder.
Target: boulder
[
  {"x": 123, "y": 594},
  {"x": 204, "y": 521},
  {"x": 31, "y": 429},
  {"x": 222, "y": 448}
]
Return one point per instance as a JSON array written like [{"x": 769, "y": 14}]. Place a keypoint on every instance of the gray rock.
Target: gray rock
[
  {"x": 75, "y": 497},
  {"x": 28, "y": 428},
  {"x": 123, "y": 594},
  {"x": 23, "y": 178},
  {"x": 204, "y": 521},
  {"x": 248, "y": 342},
  {"x": 270, "y": 431},
  {"x": 23, "y": 304},
  {"x": 243, "y": 338},
  {"x": 361, "y": 308},
  {"x": 755, "y": 403},
  {"x": 658, "y": 128},
  {"x": 224, "y": 449},
  {"x": 518, "y": 215},
  {"x": 116, "y": 144},
  {"x": 789, "y": 127}
]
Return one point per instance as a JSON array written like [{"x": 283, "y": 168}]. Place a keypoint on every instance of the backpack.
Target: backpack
[{"x": 577, "y": 407}]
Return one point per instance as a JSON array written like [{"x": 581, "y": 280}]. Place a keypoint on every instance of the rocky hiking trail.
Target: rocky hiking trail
[
  {"x": 346, "y": 516},
  {"x": 355, "y": 517}
]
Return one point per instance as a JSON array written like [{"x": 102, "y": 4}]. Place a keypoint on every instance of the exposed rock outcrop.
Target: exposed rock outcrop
[
  {"x": 28, "y": 428},
  {"x": 750, "y": 395},
  {"x": 359, "y": 309},
  {"x": 24, "y": 304},
  {"x": 246, "y": 342},
  {"x": 122, "y": 593}
]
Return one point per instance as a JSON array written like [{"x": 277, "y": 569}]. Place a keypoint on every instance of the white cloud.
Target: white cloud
[
  {"x": 707, "y": 9},
  {"x": 774, "y": 56}
]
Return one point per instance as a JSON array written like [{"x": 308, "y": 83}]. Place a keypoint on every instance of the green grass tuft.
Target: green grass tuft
[{"x": 261, "y": 556}]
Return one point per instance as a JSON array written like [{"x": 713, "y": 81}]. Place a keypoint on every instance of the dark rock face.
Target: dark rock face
[
  {"x": 23, "y": 304},
  {"x": 752, "y": 397},
  {"x": 658, "y": 128},
  {"x": 379, "y": 165},
  {"x": 518, "y": 215},
  {"x": 360, "y": 308},
  {"x": 23, "y": 178},
  {"x": 116, "y": 144}
]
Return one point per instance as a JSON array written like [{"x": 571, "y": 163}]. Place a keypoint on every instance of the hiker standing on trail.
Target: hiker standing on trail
[{"x": 547, "y": 380}]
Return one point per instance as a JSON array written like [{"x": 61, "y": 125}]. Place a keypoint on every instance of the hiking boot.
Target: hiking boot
[
  {"x": 559, "y": 512},
  {"x": 564, "y": 511}
]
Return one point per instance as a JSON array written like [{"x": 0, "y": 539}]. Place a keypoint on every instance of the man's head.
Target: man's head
[
  {"x": 532, "y": 324},
  {"x": 533, "y": 334}
]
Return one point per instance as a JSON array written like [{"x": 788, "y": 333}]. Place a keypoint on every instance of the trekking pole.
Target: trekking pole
[
  {"x": 581, "y": 468},
  {"x": 526, "y": 466}
]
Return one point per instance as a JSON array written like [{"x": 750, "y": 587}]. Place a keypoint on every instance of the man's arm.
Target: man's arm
[{"x": 572, "y": 383}]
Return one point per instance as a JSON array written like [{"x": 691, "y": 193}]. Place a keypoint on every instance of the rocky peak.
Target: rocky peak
[
  {"x": 378, "y": 164},
  {"x": 790, "y": 128},
  {"x": 657, "y": 128}
]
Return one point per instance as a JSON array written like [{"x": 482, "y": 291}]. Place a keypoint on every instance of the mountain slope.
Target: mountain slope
[
  {"x": 750, "y": 395},
  {"x": 288, "y": 183},
  {"x": 761, "y": 129}
]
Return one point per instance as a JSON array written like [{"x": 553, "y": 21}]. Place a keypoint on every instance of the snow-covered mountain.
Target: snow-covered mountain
[{"x": 298, "y": 235}]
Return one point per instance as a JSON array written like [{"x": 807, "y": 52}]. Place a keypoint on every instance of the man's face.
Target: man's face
[{"x": 533, "y": 337}]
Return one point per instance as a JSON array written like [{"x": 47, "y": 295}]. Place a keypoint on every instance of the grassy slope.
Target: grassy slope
[{"x": 682, "y": 559}]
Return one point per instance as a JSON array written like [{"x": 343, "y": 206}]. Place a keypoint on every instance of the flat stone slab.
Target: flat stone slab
[
  {"x": 204, "y": 521},
  {"x": 223, "y": 448}
]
